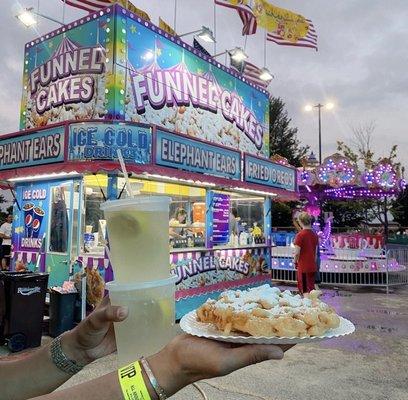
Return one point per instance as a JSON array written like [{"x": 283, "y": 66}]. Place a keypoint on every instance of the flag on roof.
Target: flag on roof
[
  {"x": 245, "y": 12},
  {"x": 89, "y": 5},
  {"x": 96, "y": 5},
  {"x": 163, "y": 25},
  {"x": 251, "y": 72},
  {"x": 282, "y": 37},
  {"x": 284, "y": 27}
]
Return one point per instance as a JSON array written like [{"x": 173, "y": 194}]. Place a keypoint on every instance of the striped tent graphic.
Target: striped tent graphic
[{"x": 66, "y": 46}]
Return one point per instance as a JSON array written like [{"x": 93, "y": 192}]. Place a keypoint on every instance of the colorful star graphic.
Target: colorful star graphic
[
  {"x": 199, "y": 71},
  {"x": 158, "y": 52},
  {"x": 133, "y": 29},
  {"x": 50, "y": 44}
]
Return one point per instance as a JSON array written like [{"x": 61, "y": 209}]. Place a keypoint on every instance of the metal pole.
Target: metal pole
[
  {"x": 215, "y": 27},
  {"x": 265, "y": 39},
  {"x": 175, "y": 16},
  {"x": 319, "y": 106},
  {"x": 46, "y": 17}
]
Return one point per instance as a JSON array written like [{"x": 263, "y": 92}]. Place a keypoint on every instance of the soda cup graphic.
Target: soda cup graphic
[
  {"x": 37, "y": 219},
  {"x": 28, "y": 209}
]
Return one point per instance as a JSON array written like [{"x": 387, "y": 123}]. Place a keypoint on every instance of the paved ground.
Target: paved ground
[{"x": 371, "y": 364}]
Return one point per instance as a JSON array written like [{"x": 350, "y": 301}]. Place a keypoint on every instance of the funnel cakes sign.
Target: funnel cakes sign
[
  {"x": 65, "y": 74},
  {"x": 172, "y": 85},
  {"x": 177, "y": 87},
  {"x": 66, "y": 77}
]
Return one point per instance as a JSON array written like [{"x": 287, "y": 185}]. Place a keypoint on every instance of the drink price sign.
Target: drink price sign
[{"x": 220, "y": 214}]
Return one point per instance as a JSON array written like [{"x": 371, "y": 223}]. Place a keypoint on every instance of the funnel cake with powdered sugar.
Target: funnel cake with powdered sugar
[{"x": 267, "y": 311}]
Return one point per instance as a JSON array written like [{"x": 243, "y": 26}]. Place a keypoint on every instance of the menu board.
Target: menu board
[{"x": 220, "y": 215}]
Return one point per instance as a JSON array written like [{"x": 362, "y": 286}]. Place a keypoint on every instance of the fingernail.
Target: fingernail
[
  {"x": 123, "y": 312},
  {"x": 275, "y": 354}
]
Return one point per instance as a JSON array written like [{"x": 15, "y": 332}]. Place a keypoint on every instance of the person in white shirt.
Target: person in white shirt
[{"x": 5, "y": 234}]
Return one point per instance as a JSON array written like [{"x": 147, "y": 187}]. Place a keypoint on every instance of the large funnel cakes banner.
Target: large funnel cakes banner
[
  {"x": 65, "y": 74},
  {"x": 170, "y": 86},
  {"x": 114, "y": 66}
]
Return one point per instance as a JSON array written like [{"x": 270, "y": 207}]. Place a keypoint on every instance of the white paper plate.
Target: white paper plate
[{"x": 190, "y": 325}]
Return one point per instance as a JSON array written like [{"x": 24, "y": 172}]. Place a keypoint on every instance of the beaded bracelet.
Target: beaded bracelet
[{"x": 153, "y": 381}]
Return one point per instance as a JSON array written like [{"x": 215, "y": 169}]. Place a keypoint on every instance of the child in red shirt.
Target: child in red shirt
[{"x": 306, "y": 242}]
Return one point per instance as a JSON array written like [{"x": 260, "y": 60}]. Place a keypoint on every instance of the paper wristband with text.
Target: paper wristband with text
[{"x": 132, "y": 383}]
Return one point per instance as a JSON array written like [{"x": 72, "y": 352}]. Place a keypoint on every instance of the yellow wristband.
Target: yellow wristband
[{"x": 132, "y": 382}]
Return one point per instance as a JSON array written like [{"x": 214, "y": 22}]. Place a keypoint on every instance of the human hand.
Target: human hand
[
  {"x": 94, "y": 337},
  {"x": 187, "y": 359}
]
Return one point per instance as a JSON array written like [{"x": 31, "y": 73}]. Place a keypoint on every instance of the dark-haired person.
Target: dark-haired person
[
  {"x": 5, "y": 235},
  {"x": 180, "y": 218}
]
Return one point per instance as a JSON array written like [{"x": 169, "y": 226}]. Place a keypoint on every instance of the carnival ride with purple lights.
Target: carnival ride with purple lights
[{"x": 347, "y": 258}]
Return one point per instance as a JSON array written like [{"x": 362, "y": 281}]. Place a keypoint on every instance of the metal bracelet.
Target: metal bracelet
[
  {"x": 153, "y": 381},
  {"x": 61, "y": 360}
]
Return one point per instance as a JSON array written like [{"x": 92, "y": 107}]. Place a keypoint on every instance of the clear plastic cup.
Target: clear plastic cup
[
  {"x": 150, "y": 324},
  {"x": 138, "y": 232}
]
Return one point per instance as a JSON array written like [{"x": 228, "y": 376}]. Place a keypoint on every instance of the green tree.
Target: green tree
[
  {"x": 283, "y": 139},
  {"x": 346, "y": 214},
  {"x": 282, "y": 214},
  {"x": 400, "y": 209}
]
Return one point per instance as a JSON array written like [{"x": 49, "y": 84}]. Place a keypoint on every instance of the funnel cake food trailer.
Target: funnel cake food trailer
[{"x": 187, "y": 127}]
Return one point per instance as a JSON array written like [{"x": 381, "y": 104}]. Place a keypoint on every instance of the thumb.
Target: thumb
[
  {"x": 243, "y": 356},
  {"x": 102, "y": 317}
]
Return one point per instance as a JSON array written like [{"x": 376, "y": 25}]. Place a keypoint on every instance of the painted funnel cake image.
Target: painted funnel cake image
[
  {"x": 209, "y": 125},
  {"x": 65, "y": 76}
]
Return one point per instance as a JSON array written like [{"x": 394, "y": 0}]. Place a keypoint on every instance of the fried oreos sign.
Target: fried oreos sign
[
  {"x": 265, "y": 172},
  {"x": 36, "y": 148}
]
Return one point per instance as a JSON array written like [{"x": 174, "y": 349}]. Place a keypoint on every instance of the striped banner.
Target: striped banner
[
  {"x": 310, "y": 40},
  {"x": 89, "y": 5}
]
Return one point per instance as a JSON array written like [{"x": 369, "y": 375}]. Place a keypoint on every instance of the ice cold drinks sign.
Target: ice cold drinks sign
[
  {"x": 32, "y": 149},
  {"x": 99, "y": 141},
  {"x": 196, "y": 156}
]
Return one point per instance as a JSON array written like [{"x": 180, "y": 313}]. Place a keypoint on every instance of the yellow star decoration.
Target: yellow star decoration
[
  {"x": 158, "y": 52},
  {"x": 199, "y": 71},
  {"x": 133, "y": 29},
  {"x": 50, "y": 44},
  {"x": 19, "y": 229}
]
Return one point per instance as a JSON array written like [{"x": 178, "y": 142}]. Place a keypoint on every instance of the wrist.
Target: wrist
[
  {"x": 71, "y": 349},
  {"x": 168, "y": 372}
]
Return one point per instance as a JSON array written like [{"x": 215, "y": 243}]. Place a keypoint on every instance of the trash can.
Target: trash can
[
  {"x": 62, "y": 312},
  {"x": 24, "y": 300}
]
